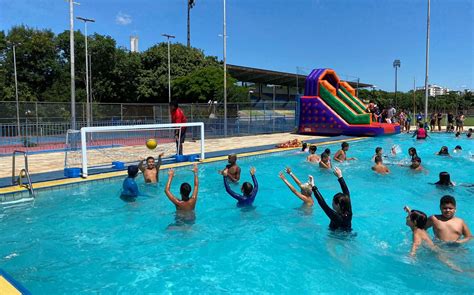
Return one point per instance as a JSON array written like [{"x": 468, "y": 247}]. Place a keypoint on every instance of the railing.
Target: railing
[
  {"x": 243, "y": 119},
  {"x": 23, "y": 172}
]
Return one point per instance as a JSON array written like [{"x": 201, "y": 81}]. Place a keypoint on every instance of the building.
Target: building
[
  {"x": 268, "y": 84},
  {"x": 134, "y": 43},
  {"x": 434, "y": 90}
]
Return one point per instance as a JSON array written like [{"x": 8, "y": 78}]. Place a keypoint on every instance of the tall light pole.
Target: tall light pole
[
  {"x": 16, "y": 92},
  {"x": 273, "y": 112},
  {"x": 224, "y": 36},
  {"x": 71, "y": 45},
  {"x": 169, "y": 65},
  {"x": 88, "y": 103},
  {"x": 396, "y": 65},
  {"x": 427, "y": 60}
]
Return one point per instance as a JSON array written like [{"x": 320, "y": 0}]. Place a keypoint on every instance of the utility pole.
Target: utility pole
[
  {"x": 16, "y": 94},
  {"x": 169, "y": 65},
  {"x": 427, "y": 61},
  {"x": 88, "y": 103},
  {"x": 73, "y": 82},
  {"x": 225, "y": 74},
  {"x": 190, "y": 6}
]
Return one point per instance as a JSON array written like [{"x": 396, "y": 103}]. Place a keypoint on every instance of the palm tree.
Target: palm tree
[{"x": 190, "y": 5}]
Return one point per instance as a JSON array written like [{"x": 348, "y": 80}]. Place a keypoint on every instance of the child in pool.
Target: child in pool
[
  {"x": 447, "y": 227},
  {"x": 313, "y": 158},
  {"x": 379, "y": 167},
  {"x": 305, "y": 194},
  {"x": 444, "y": 179},
  {"x": 443, "y": 151},
  {"x": 325, "y": 161},
  {"x": 416, "y": 221},
  {"x": 341, "y": 155},
  {"x": 129, "y": 187}
]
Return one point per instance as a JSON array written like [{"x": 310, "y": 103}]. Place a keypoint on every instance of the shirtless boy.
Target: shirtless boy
[
  {"x": 187, "y": 203},
  {"x": 232, "y": 170},
  {"x": 446, "y": 226},
  {"x": 151, "y": 170},
  {"x": 313, "y": 158},
  {"x": 341, "y": 155},
  {"x": 379, "y": 166}
]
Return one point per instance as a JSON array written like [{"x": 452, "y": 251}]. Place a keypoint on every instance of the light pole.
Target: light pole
[
  {"x": 273, "y": 112},
  {"x": 427, "y": 60},
  {"x": 71, "y": 45},
  {"x": 88, "y": 104},
  {"x": 396, "y": 65},
  {"x": 169, "y": 65},
  {"x": 250, "y": 112},
  {"x": 224, "y": 37},
  {"x": 16, "y": 92}
]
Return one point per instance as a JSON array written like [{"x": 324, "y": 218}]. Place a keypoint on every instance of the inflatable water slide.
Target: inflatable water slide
[{"x": 330, "y": 107}]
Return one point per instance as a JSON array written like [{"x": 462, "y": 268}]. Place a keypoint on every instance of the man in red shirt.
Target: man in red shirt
[{"x": 177, "y": 116}]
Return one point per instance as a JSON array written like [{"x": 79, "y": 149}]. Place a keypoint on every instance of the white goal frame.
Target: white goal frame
[{"x": 86, "y": 130}]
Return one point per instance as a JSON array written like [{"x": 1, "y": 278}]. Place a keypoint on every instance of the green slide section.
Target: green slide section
[
  {"x": 356, "y": 100},
  {"x": 349, "y": 102},
  {"x": 341, "y": 109}
]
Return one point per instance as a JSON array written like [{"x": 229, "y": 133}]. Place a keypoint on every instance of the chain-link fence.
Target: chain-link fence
[{"x": 43, "y": 126}]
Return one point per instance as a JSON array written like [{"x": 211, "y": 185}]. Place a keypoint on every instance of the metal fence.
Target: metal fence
[{"x": 43, "y": 126}]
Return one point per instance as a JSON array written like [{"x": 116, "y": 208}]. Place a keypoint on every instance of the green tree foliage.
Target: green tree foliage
[{"x": 208, "y": 84}]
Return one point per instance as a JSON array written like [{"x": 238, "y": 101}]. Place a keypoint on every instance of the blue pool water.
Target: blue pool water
[{"x": 84, "y": 239}]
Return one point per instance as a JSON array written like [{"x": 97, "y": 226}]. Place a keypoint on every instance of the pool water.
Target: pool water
[{"x": 84, "y": 239}]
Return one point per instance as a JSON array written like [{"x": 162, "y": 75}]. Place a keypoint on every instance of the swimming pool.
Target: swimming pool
[{"x": 84, "y": 239}]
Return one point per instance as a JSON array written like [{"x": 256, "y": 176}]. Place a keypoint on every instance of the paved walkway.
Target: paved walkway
[{"x": 47, "y": 162}]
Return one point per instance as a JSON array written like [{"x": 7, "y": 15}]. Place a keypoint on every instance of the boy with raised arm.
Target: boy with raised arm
[
  {"x": 446, "y": 226},
  {"x": 249, "y": 191},
  {"x": 151, "y": 170},
  {"x": 341, "y": 155},
  {"x": 232, "y": 169},
  {"x": 305, "y": 194},
  {"x": 186, "y": 203}
]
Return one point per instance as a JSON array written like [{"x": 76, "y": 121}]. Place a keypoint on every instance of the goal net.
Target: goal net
[{"x": 98, "y": 148}]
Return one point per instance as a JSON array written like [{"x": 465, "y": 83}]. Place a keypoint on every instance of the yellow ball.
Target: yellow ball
[{"x": 151, "y": 144}]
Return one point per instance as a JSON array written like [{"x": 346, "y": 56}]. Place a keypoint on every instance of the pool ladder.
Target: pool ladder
[{"x": 24, "y": 174}]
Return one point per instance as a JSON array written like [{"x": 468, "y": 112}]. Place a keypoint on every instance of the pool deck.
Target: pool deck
[{"x": 48, "y": 167}]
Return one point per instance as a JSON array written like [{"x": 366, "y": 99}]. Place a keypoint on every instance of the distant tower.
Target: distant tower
[{"x": 134, "y": 43}]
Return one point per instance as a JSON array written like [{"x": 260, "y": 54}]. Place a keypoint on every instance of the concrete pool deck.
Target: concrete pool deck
[{"x": 45, "y": 167}]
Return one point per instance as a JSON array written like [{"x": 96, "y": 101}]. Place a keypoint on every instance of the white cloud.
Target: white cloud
[{"x": 123, "y": 19}]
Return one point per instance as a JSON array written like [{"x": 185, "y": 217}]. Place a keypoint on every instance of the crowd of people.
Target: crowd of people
[
  {"x": 446, "y": 226},
  {"x": 453, "y": 123}
]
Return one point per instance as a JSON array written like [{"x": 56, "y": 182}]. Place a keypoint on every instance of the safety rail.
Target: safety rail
[{"x": 24, "y": 173}]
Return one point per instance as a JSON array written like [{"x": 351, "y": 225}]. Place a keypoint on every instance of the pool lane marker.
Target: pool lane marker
[{"x": 95, "y": 177}]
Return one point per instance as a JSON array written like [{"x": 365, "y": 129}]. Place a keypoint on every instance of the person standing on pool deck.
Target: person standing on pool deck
[
  {"x": 151, "y": 170},
  {"x": 249, "y": 191},
  {"x": 186, "y": 203},
  {"x": 232, "y": 169},
  {"x": 177, "y": 116},
  {"x": 446, "y": 226},
  {"x": 305, "y": 194},
  {"x": 341, "y": 212},
  {"x": 340, "y": 155},
  {"x": 129, "y": 187}
]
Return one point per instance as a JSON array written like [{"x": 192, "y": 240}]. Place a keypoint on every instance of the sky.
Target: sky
[{"x": 356, "y": 38}]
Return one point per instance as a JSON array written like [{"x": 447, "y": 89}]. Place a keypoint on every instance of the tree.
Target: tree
[{"x": 207, "y": 84}]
